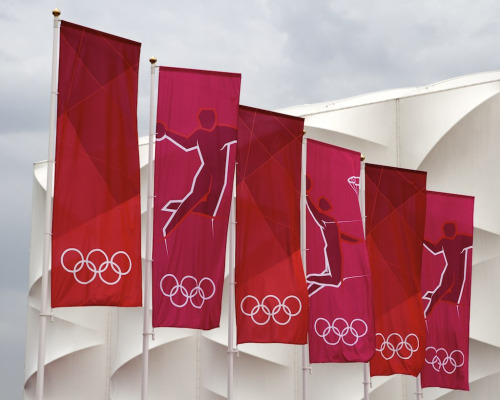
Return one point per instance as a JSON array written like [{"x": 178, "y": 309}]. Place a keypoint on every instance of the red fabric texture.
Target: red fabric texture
[
  {"x": 341, "y": 324},
  {"x": 194, "y": 171},
  {"x": 446, "y": 286},
  {"x": 96, "y": 254},
  {"x": 271, "y": 292},
  {"x": 395, "y": 212}
]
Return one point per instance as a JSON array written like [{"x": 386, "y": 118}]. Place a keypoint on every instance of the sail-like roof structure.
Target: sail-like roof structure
[{"x": 450, "y": 129}]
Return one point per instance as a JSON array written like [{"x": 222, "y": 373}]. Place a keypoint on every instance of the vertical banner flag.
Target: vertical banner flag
[
  {"x": 96, "y": 243},
  {"x": 395, "y": 220},
  {"x": 446, "y": 284},
  {"x": 271, "y": 293},
  {"x": 194, "y": 170},
  {"x": 341, "y": 325}
]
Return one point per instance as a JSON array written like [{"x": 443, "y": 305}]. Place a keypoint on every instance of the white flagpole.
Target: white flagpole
[
  {"x": 419, "y": 393},
  {"x": 231, "y": 311},
  {"x": 306, "y": 368},
  {"x": 366, "y": 366},
  {"x": 147, "y": 329},
  {"x": 366, "y": 381},
  {"x": 44, "y": 306}
]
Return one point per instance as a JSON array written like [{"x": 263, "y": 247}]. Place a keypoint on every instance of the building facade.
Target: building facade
[{"x": 450, "y": 129}]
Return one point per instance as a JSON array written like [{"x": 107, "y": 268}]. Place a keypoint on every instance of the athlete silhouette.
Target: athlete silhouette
[
  {"x": 332, "y": 236},
  {"x": 212, "y": 142},
  {"x": 454, "y": 248}
]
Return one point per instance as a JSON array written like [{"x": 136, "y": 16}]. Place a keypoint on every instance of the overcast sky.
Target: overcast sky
[{"x": 289, "y": 52}]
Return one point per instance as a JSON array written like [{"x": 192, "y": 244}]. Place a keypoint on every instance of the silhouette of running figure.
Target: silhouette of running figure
[
  {"x": 454, "y": 249},
  {"x": 212, "y": 142},
  {"x": 332, "y": 236}
]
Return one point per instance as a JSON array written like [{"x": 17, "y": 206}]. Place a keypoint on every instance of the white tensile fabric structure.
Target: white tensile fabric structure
[{"x": 450, "y": 129}]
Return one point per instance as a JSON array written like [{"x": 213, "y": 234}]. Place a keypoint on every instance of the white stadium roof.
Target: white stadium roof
[{"x": 450, "y": 129}]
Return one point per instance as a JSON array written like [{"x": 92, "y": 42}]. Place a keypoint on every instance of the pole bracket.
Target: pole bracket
[
  {"x": 234, "y": 351},
  {"x": 50, "y": 315},
  {"x": 308, "y": 368}
]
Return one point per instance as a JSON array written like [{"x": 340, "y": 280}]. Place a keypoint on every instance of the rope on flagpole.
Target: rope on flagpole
[
  {"x": 232, "y": 285},
  {"x": 147, "y": 329},
  {"x": 44, "y": 304},
  {"x": 366, "y": 366},
  {"x": 306, "y": 367}
]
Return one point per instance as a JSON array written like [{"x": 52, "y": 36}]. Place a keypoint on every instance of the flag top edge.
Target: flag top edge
[
  {"x": 395, "y": 168},
  {"x": 201, "y": 71},
  {"x": 72, "y": 24},
  {"x": 275, "y": 113},
  {"x": 329, "y": 145},
  {"x": 465, "y": 196}
]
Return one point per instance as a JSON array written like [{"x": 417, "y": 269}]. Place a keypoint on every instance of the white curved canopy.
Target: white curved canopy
[{"x": 450, "y": 129}]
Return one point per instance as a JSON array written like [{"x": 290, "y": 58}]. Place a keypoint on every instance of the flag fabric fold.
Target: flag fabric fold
[
  {"x": 96, "y": 253},
  {"x": 271, "y": 294},
  {"x": 341, "y": 325},
  {"x": 446, "y": 286},
  {"x": 395, "y": 212},
  {"x": 195, "y": 152}
]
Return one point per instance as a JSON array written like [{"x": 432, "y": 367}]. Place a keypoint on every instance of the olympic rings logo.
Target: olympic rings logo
[
  {"x": 396, "y": 345},
  {"x": 271, "y": 307},
  {"x": 187, "y": 290},
  {"x": 97, "y": 262},
  {"x": 340, "y": 329},
  {"x": 439, "y": 358}
]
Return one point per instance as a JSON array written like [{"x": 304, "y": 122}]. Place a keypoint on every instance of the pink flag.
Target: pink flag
[
  {"x": 341, "y": 325},
  {"x": 446, "y": 283},
  {"x": 271, "y": 292},
  {"x": 395, "y": 220},
  {"x": 194, "y": 169},
  {"x": 96, "y": 242}
]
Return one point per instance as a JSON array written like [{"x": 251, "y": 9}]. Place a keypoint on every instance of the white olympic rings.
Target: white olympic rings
[
  {"x": 271, "y": 307},
  {"x": 97, "y": 262},
  {"x": 439, "y": 358},
  {"x": 346, "y": 332},
  {"x": 395, "y": 348},
  {"x": 190, "y": 294}
]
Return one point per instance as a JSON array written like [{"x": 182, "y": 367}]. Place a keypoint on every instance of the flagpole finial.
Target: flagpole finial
[
  {"x": 153, "y": 60},
  {"x": 56, "y": 12},
  {"x": 362, "y": 157}
]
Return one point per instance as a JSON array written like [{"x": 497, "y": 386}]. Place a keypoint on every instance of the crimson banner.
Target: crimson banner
[
  {"x": 341, "y": 325},
  {"x": 395, "y": 212},
  {"x": 446, "y": 284},
  {"x": 271, "y": 292},
  {"x": 194, "y": 170},
  {"x": 96, "y": 243}
]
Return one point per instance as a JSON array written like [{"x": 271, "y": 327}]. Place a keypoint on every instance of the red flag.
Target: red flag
[
  {"x": 446, "y": 283},
  {"x": 341, "y": 326},
  {"x": 271, "y": 292},
  {"x": 96, "y": 253},
  {"x": 395, "y": 211},
  {"x": 194, "y": 169}
]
